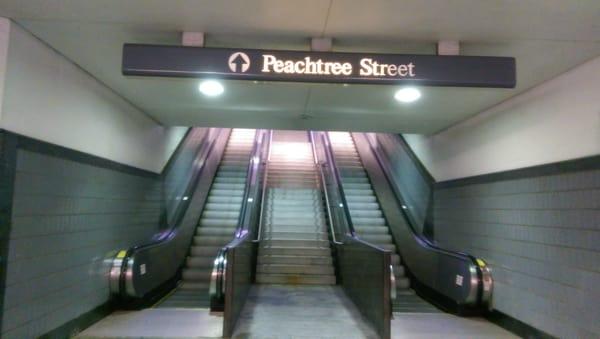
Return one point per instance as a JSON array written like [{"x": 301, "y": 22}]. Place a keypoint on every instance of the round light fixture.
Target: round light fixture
[
  {"x": 211, "y": 88},
  {"x": 407, "y": 94}
]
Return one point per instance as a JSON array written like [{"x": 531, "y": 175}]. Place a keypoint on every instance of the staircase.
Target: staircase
[
  {"x": 294, "y": 248},
  {"x": 368, "y": 219},
  {"x": 217, "y": 224}
]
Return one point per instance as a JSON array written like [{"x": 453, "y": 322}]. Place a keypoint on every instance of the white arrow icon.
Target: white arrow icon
[{"x": 239, "y": 62}]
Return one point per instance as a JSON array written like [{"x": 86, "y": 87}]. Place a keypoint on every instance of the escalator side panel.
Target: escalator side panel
[
  {"x": 370, "y": 223},
  {"x": 445, "y": 274},
  {"x": 217, "y": 223},
  {"x": 151, "y": 266}
]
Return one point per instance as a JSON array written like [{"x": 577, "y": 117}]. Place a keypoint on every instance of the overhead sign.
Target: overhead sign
[{"x": 322, "y": 67}]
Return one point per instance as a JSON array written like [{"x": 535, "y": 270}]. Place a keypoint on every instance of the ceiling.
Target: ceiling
[{"x": 547, "y": 37}]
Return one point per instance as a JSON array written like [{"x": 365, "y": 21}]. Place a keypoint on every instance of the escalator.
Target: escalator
[
  {"x": 206, "y": 190},
  {"x": 374, "y": 195},
  {"x": 217, "y": 224},
  {"x": 368, "y": 219}
]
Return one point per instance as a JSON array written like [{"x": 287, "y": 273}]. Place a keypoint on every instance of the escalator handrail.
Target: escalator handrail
[
  {"x": 426, "y": 243},
  {"x": 242, "y": 234},
  {"x": 324, "y": 187},
  {"x": 419, "y": 237},
  {"x": 121, "y": 263},
  {"x": 250, "y": 179},
  {"x": 338, "y": 178},
  {"x": 203, "y": 153},
  {"x": 264, "y": 188}
]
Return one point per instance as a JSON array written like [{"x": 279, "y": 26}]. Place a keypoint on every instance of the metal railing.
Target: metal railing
[
  {"x": 324, "y": 187},
  {"x": 264, "y": 188}
]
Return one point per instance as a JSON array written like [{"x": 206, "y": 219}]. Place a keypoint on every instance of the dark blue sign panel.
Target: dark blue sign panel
[{"x": 319, "y": 67}]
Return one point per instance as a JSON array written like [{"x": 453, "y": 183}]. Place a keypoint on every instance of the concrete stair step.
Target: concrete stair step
[
  {"x": 282, "y": 235},
  {"x": 295, "y": 279},
  {"x": 308, "y": 207},
  {"x": 294, "y": 260},
  {"x": 295, "y": 269},
  {"x": 295, "y": 219},
  {"x": 268, "y": 228},
  {"x": 299, "y": 251},
  {"x": 275, "y": 223},
  {"x": 294, "y": 243}
]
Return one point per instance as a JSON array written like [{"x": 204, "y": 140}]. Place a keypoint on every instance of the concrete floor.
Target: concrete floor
[
  {"x": 157, "y": 323},
  {"x": 286, "y": 311},
  {"x": 443, "y": 325}
]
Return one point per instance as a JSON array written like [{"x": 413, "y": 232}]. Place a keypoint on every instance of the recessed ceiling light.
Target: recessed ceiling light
[
  {"x": 211, "y": 88},
  {"x": 407, "y": 94}
]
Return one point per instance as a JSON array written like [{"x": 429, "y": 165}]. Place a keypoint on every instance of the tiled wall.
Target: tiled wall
[
  {"x": 68, "y": 218},
  {"x": 4, "y": 214},
  {"x": 541, "y": 237}
]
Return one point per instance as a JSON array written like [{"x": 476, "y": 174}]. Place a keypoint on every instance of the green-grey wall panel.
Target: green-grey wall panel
[
  {"x": 68, "y": 218},
  {"x": 541, "y": 237}
]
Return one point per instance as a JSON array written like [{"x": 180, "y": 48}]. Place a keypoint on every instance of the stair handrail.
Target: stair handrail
[
  {"x": 338, "y": 178},
  {"x": 324, "y": 188},
  {"x": 264, "y": 189}
]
